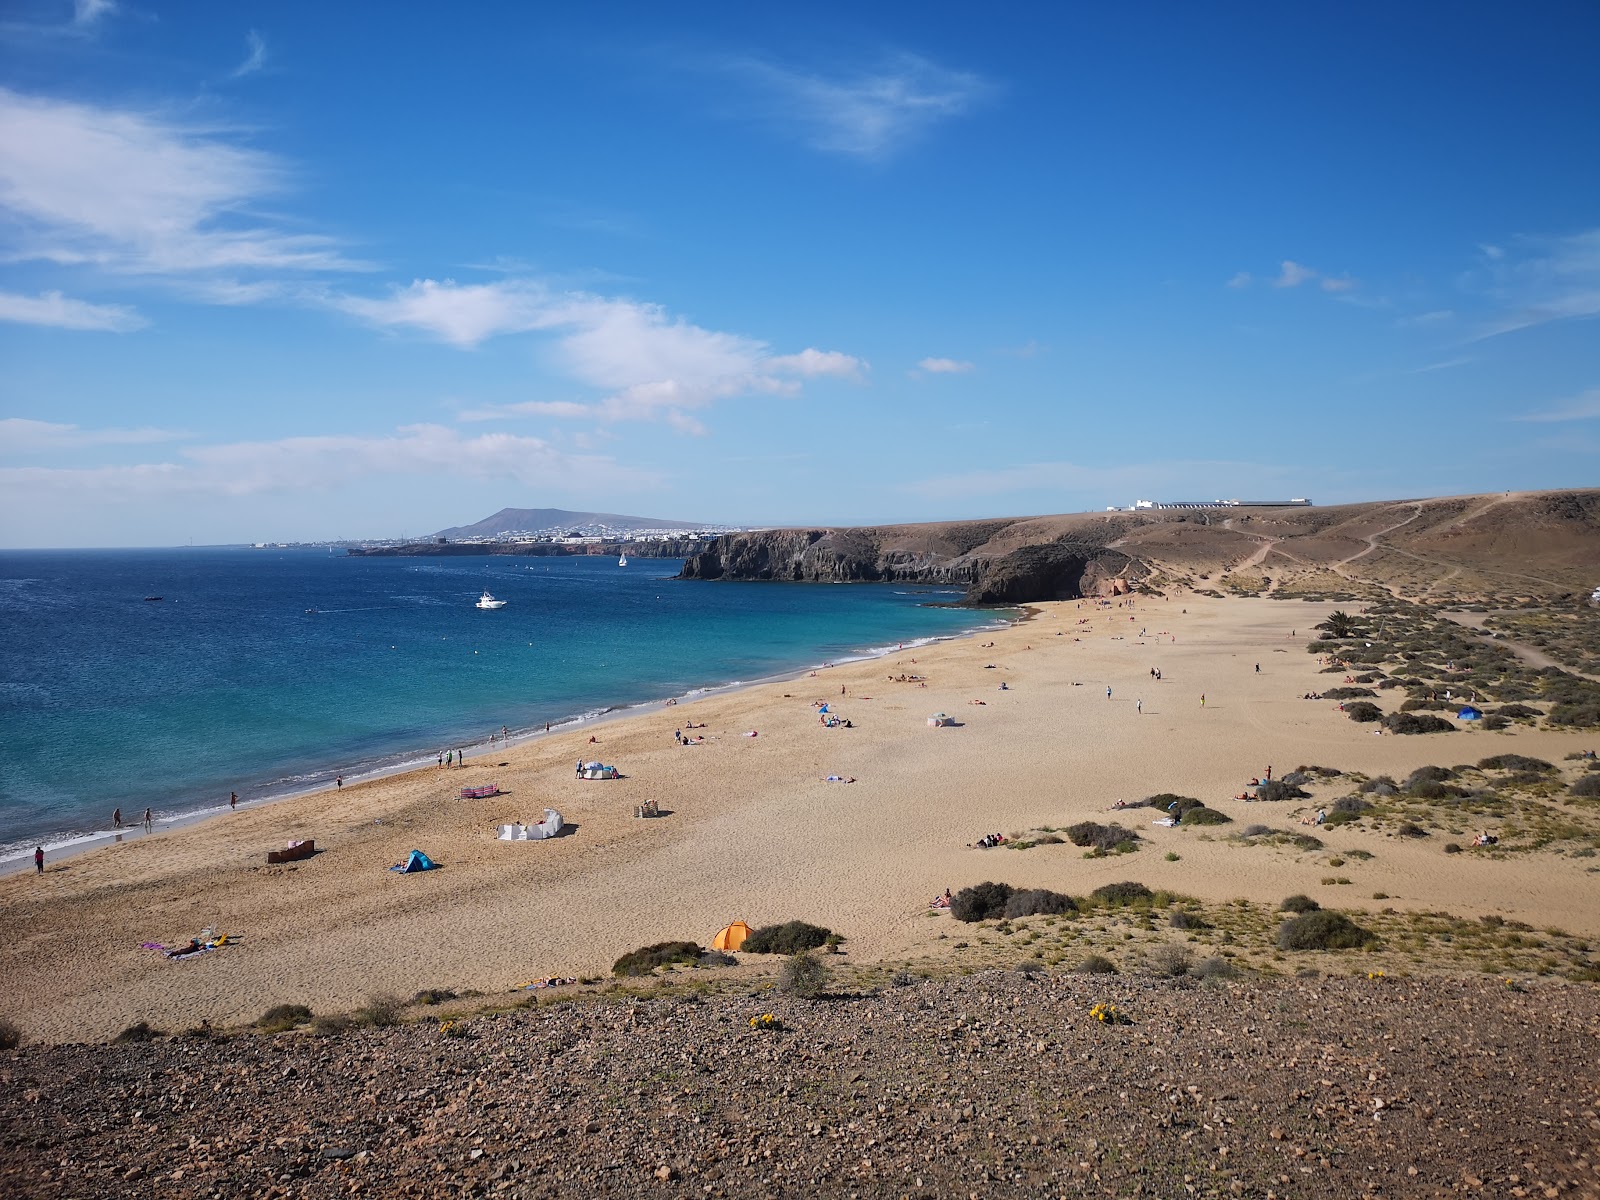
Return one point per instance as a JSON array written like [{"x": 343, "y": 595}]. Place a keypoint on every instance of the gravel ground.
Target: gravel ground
[{"x": 997, "y": 1084}]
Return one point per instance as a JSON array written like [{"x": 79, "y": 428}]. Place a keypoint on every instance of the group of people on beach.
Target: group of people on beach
[{"x": 988, "y": 840}]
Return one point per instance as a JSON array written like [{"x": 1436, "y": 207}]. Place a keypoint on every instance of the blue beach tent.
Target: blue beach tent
[
  {"x": 1469, "y": 714},
  {"x": 417, "y": 862}
]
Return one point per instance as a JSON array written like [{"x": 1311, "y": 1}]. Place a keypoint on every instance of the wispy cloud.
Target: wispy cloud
[
  {"x": 63, "y": 312},
  {"x": 1437, "y": 317},
  {"x": 88, "y": 13},
  {"x": 1241, "y": 280},
  {"x": 1585, "y": 406},
  {"x": 867, "y": 114},
  {"x": 649, "y": 364},
  {"x": 323, "y": 463},
  {"x": 1539, "y": 280},
  {"x": 255, "y": 59},
  {"x": 137, "y": 192},
  {"x": 1441, "y": 366},
  {"x": 941, "y": 366},
  {"x": 1293, "y": 274},
  {"x": 19, "y": 435}
]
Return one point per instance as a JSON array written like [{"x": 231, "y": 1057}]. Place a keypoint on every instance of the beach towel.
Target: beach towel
[{"x": 1168, "y": 822}]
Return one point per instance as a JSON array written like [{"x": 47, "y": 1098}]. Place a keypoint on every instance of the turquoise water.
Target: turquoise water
[{"x": 229, "y": 683}]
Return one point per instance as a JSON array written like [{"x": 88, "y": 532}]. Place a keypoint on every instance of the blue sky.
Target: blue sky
[{"x": 300, "y": 271}]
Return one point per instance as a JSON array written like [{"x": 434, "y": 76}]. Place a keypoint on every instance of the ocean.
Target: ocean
[{"x": 270, "y": 672}]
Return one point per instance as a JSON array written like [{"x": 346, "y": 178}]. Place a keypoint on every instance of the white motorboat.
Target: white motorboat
[{"x": 488, "y": 601}]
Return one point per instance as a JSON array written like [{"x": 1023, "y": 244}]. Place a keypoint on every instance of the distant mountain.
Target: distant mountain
[{"x": 561, "y": 520}]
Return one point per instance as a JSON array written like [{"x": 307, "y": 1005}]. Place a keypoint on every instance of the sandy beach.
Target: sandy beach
[{"x": 753, "y": 831}]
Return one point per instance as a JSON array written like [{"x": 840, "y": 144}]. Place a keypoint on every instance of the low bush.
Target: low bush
[
  {"x": 1322, "y": 930},
  {"x": 380, "y": 1010},
  {"x": 1411, "y": 829},
  {"x": 716, "y": 958},
  {"x": 1351, "y": 805},
  {"x": 1117, "y": 895},
  {"x": 1518, "y": 712},
  {"x": 1251, "y": 831},
  {"x": 1214, "y": 968},
  {"x": 980, "y": 902},
  {"x": 432, "y": 996},
  {"x": 1428, "y": 775},
  {"x": 803, "y": 975},
  {"x": 1515, "y": 762},
  {"x": 1299, "y": 904},
  {"x": 1182, "y": 918},
  {"x": 1169, "y": 959},
  {"x": 1108, "y": 839},
  {"x": 1348, "y": 693},
  {"x": 331, "y": 1024},
  {"x": 1304, "y": 841},
  {"x": 1205, "y": 816},
  {"x": 1408, "y": 723},
  {"x": 1581, "y": 716},
  {"x": 1277, "y": 790},
  {"x": 282, "y": 1017},
  {"x": 792, "y": 937},
  {"x": 647, "y": 958},
  {"x": 1452, "y": 848},
  {"x": 1588, "y": 787},
  {"x": 1363, "y": 710},
  {"x": 1426, "y": 705},
  {"x": 139, "y": 1031},
  {"x": 1096, "y": 964},
  {"x": 1034, "y": 902},
  {"x": 1380, "y": 785},
  {"x": 10, "y": 1036},
  {"x": 1169, "y": 802}
]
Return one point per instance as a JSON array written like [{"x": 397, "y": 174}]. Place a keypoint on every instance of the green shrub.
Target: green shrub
[
  {"x": 1411, "y": 829},
  {"x": 1182, "y": 918},
  {"x": 1214, "y": 968},
  {"x": 1364, "y": 711},
  {"x": 282, "y": 1017},
  {"x": 432, "y": 996},
  {"x": 10, "y": 1035},
  {"x": 1409, "y": 723},
  {"x": 1322, "y": 930},
  {"x": 1452, "y": 848},
  {"x": 1205, "y": 816},
  {"x": 1169, "y": 959},
  {"x": 1299, "y": 904},
  {"x": 1518, "y": 712},
  {"x": 139, "y": 1031},
  {"x": 380, "y": 1010},
  {"x": 1587, "y": 787},
  {"x": 1108, "y": 839},
  {"x": 1038, "y": 902},
  {"x": 803, "y": 975},
  {"x": 792, "y": 937},
  {"x": 1348, "y": 693},
  {"x": 1304, "y": 841},
  {"x": 1515, "y": 762},
  {"x": 1118, "y": 895},
  {"x": 647, "y": 958},
  {"x": 1170, "y": 802},
  {"x": 980, "y": 902},
  {"x": 331, "y": 1024},
  {"x": 1581, "y": 716},
  {"x": 1096, "y": 964}
]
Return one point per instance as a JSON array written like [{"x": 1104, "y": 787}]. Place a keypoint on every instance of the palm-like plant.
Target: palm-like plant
[{"x": 1339, "y": 623}]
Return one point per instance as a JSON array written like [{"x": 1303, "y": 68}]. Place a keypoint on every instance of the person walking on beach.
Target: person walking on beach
[
  {"x": 1108, "y": 691},
  {"x": 338, "y": 781},
  {"x": 1202, "y": 699},
  {"x": 233, "y": 801},
  {"x": 38, "y": 860},
  {"x": 116, "y": 819},
  {"x": 1258, "y": 668},
  {"x": 1139, "y": 706},
  {"x": 149, "y": 820}
]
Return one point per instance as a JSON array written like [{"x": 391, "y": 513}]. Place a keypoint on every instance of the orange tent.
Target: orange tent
[{"x": 731, "y": 937}]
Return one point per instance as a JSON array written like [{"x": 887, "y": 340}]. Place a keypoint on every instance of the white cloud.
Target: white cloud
[
  {"x": 63, "y": 312},
  {"x": 1435, "y": 317},
  {"x": 322, "y": 463},
  {"x": 1540, "y": 280},
  {"x": 651, "y": 365},
  {"x": 1441, "y": 366},
  {"x": 944, "y": 366},
  {"x": 1585, "y": 406},
  {"x": 1242, "y": 280},
  {"x": 1341, "y": 284},
  {"x": 136, "y": 192},
  {"x": 867, "y": 114},
  {"x": 86, "y": 13},
  {"x": 254, "y": 60},
  {"x": 1293, "y": 274},
  {"x": 19, "y": 435}
]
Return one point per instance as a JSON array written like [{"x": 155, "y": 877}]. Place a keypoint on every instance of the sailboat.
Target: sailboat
[
  {"x": 488, "y": 601},
  {"x": 623, "y": 561}
]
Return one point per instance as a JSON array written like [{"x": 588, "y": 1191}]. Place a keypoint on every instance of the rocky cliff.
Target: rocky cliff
[{"x": 658, "y": 548}]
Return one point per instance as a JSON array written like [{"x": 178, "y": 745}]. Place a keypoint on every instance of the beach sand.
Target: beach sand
[{"x": 755, "y": 833}]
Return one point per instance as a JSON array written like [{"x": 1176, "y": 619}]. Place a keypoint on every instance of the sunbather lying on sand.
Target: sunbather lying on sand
[
  {"x": 940, "y": 901},
  {"x": 839, "y": 779}
]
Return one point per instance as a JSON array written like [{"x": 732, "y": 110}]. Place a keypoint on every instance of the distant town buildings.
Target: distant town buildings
[{"x": 1299, "y": 502}]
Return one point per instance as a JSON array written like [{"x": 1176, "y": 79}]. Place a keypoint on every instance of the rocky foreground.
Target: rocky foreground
[{"x": 997, "y": 1084}]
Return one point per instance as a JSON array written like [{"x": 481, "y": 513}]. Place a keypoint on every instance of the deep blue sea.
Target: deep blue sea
[{"x": 229, "y": 683}]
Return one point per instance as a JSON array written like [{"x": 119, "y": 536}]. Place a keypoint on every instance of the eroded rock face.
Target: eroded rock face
[{"x": 991, "y": 574}]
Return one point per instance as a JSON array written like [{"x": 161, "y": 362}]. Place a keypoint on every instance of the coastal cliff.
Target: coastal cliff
[
  {"x": 1450, "y": 546},
  {"x": 658, "y": 548}
]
